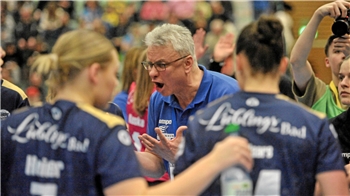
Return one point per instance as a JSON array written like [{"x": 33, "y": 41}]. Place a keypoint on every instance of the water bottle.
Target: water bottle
[{"x": 235, "y": 180}]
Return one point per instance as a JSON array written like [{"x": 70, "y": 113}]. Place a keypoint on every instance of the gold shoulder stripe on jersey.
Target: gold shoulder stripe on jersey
[
  {"x": 110, "y": 120},
  {"x": 9, "y": 85}
]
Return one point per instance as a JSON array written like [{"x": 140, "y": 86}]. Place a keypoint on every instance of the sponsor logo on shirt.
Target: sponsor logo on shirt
[
  {"x": 136, "y": 121},
  {"x": 225, "y": 115},
  {"x": 346, "y": 155},
  {"x": 165, "y": 122},
  {"x": 163, "y": 126},
  {"x": 31, "y": 129}
]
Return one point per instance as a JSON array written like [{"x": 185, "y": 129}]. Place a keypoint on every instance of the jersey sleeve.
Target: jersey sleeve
[
  {"x": 329, "y": 153},
  {"x": 116, "y": 159},
  {"x": 152, "y": 116},
  {"x": 315, "y": 89},
  {"x": 186, "y": 153}
]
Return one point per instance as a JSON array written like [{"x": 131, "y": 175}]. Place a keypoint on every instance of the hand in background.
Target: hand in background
[
  {"x": 224, "y": 47},
  {"x": 199, "y": 46}
]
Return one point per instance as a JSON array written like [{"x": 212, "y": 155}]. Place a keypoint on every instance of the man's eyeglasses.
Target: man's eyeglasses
[{"x": 160, "y": 66}]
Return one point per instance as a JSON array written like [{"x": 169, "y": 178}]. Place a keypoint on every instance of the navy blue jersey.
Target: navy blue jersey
[
  {"x": 289, "y": 144},
  {"x": 121, "y": 99},
  {"x": 114, "y": 109},
  {"x": 12, "y": 98},
  {"x": 64, "y": 149}
]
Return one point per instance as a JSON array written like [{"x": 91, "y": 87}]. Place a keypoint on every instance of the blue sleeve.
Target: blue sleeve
[
  {"x": 329, "y": 152},
  {"x": 152, "y": 117},
  {"x": 223, "y": 85},
  {"x": 120, "y": 99}
]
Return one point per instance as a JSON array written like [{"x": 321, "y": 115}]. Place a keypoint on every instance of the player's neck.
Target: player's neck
[
  {"x": 73, "y": 95},
  {"x": 262, "y": 84}
]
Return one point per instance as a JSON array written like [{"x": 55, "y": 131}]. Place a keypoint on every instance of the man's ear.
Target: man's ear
[
  {"x": 93, "y": 72},
  {"x": 188, "y": 63}
]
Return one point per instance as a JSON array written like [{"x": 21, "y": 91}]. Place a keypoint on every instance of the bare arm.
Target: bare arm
[
  {"x": 151, "y": 164},
  {"x": 232, "y": 150},
  {"x": 333, "y": 183},
  {"x": 302, "y": 70}
]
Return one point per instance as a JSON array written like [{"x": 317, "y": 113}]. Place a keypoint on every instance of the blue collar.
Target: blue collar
[{"x": 201, "y": 93}]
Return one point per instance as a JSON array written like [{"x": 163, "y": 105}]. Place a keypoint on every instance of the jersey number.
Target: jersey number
[{"x": 269, "y": 183}]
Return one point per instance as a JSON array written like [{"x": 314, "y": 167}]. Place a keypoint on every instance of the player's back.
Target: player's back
[
  {"x": 64, "y": 149},
  {"x": 289, "y": 144}
]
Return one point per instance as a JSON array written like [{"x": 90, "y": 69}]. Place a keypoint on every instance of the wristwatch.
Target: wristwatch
[{"x": 213, "y": 62}]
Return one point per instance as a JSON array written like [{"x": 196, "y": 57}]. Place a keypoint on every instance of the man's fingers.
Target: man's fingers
[
  {"x": 147, "y": 140},
  {"x": 180, "y": 130},
  {"x": 161, "y": 136}
]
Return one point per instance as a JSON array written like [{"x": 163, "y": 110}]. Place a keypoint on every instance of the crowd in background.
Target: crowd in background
[{"x": 29, "y": 28}]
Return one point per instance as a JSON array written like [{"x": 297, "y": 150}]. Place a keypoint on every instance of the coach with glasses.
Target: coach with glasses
[{"x": 183, "y": 87}]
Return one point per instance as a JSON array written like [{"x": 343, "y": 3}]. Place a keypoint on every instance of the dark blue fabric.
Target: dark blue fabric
[
  {"x": 76, "y": 149},
  {"x": 283, "y": 136}
]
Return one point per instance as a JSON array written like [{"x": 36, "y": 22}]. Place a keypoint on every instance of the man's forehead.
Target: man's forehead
[{"x": 159, "y": 53}]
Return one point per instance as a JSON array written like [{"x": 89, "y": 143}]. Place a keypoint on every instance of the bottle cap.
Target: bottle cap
[{"x": 231, "y": 128}]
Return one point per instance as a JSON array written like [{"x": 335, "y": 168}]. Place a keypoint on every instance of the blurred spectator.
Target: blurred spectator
[
  {"x": 26, "y": 31},
  {"x": 134, "y": 37},
  {"x": 112, "y": 11},
  {"x": 120, "y": 30},
  {"x": 67, "y": 23},
  {"x": 12, "y": 54},
  {"x": 7, "y": 25},
  {"x": 281, "y": 10},
  {"x": 26, "y": 27},
  {"x": 182, "y": 10},
  {"x": 202, "y": 14},
  {"x": 36, "y": 80},
  {"x": 261, "y": 7},
  {"x": 218, "y": 12},
  {"x": 99, "y": 26},
  {"x": 67, "y": 6},
  {"x": 51, "y": 22},
  {"x": 18, "y": 6},
  {"x": 11, "y": 72},
  {"x": 34, "y": 95},
  {"x": 154, "y": 10},
  {"x": 91, "y": 11}
]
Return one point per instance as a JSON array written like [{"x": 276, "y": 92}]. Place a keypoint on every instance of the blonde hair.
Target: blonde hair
[
  {"x": 144, "y": 87},
  {"x": 72, "y": 52},
  {"x": 130, "y": 67}
]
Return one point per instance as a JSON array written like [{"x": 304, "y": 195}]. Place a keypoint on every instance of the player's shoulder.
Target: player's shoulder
[
  {"x": 301, "y": 107},
  {"x": 12, "y": 87},
  {"x": 109, "y": 119}
]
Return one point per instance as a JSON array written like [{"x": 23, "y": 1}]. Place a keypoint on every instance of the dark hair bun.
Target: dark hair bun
[{"x": 269, "y": 30}]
